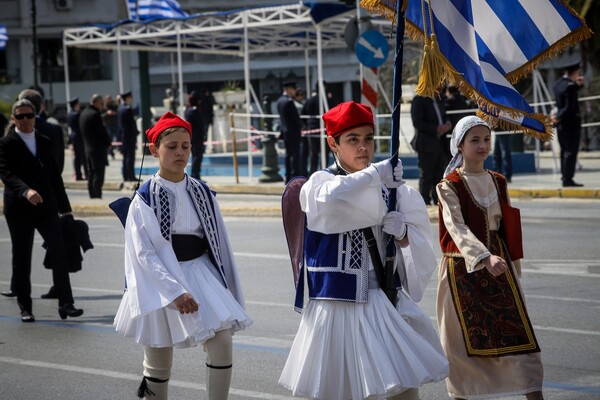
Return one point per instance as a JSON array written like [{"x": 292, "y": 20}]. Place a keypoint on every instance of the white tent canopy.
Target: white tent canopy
[
  {"x": 306, "y": 26},
  {"x": 296, "y": 27}
]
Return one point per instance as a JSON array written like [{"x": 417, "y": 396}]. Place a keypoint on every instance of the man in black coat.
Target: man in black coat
[
  {"x": 96, "y": 142},
  {"x": 291, "y": 126},
  {"x": 429, "y": 120},
  {"x": 34, "y": 197},
  {"x": 568, "y": 121},
  {"x": 76, "y": 140},
  {"x": 53, "y": 132},
  {"x": 194, "y": 117},
  {"x": 129, "y": 132}
]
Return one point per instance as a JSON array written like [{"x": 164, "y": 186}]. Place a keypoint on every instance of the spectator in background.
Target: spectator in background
[
  {"x": 568, "y": 121},
  {"x": 109, "y": 119},
  {"x": 455, "y": 101},
  {"x": 3, "y": 123},
  {"x": 503, "y": 155},
  {"x": 76, "y": 140},
  {"x": 290, "y": 129},
  {"x": 129, "y": 132},
  {"x": 299, "y": 99},
  {"x": 429, "y": 120},
  {"x": 207, "y": 113},
  {"x": 34, "y": 199},
  {"x": 193, "y": 116},
  {"x": 96, "y": 141},
  {"x": 51, "y": 131}
]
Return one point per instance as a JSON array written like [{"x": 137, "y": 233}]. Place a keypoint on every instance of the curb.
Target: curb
[
  {"x": 104, "y": 210},
  {"x": 567, "y": 193}
]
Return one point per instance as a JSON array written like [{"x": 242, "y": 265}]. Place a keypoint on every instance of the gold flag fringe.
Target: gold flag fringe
[
  {"x": 436, "y": 68},
  {"x": 434, "y": 71},
  {"x": 576, "y": 36},
  {"x": 388, "y": 11}
]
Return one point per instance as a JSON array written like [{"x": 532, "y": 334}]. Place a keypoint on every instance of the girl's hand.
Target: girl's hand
[
  {"x": 495, "y": 265},
  {"x": 186, "y": 304}
]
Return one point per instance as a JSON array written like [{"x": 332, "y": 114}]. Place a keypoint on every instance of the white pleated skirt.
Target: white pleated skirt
[
  {"x": 166, "y": 327},
  {"x": 363, "y": 351}
]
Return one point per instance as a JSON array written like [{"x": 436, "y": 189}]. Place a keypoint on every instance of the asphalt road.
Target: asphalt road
[{"x": 84, "y": 358}]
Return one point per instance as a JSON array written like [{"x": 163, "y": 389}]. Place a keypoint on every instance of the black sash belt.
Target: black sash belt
[{"x": 188, "y": 247}]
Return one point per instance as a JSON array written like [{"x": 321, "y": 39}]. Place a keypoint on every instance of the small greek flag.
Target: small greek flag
[
  {"x": 3, "y": 37},
  {"x": 154, "y": 9},
  {"x": 486, "y": 46}
]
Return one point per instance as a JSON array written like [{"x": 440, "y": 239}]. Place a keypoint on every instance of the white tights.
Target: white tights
[{"x": 219, "y": 358}]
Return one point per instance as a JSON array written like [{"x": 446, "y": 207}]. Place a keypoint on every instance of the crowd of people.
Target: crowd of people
[{"x": 358, "y": 337}]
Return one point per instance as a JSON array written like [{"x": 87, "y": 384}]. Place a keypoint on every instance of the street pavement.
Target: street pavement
[{"x": 245, "y": 196}]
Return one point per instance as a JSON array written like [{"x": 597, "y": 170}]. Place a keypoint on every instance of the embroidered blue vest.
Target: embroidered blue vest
[
  {"x": 337, "y": 266},
  {"x": 162, "y": 201}
]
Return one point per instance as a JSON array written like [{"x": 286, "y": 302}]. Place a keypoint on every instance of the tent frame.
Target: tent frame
[{"x": 239, "y": 33}]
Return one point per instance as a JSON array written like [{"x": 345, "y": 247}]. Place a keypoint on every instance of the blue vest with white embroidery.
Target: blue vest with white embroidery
[
  {"x": 337, "y": 266},
  {"x": 162, "y": 201}
]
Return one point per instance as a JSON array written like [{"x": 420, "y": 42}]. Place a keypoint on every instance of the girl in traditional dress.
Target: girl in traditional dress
[
  {"x": 182, "y": 284},
  {"x": 483, "y": 322},
  {"x": 352, "y": 342}
]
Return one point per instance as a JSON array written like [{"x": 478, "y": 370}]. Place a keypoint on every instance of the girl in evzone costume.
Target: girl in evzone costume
[
  {"x": 483, "y": 322},
  {"x": 182, "y": 285},
  {"x": 352, "y": 342}
]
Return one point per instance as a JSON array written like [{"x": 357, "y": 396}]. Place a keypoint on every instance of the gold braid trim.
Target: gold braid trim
[
  {"x": 570, "y": 40},
  {"x": 574, "y": 37},
  {"x": 386, "y": 9}
]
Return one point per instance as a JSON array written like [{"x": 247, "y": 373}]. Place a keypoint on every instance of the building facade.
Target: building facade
[{"x": 96, "y": 71}]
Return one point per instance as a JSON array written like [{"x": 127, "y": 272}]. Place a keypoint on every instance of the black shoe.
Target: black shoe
[
  {"x": 69, "y": 310},
  {"x": 571, "y": 183},
  {"x": 51, "y": 294},
  {"x": 26, "y": 316},
  {"x": 8, "y": 293}
]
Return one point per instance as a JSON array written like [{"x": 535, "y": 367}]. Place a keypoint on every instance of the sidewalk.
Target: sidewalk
[{"x": 248, "y": 197}]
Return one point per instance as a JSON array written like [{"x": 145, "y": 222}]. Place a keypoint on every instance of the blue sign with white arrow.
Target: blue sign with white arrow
[{"x": 371, "y": 48}]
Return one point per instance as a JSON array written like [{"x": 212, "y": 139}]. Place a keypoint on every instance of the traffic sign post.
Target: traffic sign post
[{"x": 371, "y": 48}]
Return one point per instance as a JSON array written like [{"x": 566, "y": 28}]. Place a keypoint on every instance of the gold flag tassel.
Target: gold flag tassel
[{"x": 434, "y": 69}]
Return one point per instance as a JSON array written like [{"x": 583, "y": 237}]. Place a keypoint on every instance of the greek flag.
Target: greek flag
[
  {"x": 3, "y": 37},
  {"x": 154, "y": 9},
  {"x": 488, "y": 45}
]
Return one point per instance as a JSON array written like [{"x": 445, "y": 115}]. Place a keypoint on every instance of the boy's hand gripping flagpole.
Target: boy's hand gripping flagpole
[{"x": 390, "y": 253}]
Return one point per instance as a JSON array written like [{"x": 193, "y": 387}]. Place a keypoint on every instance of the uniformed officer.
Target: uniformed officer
[{"x": 568, "y": 121}]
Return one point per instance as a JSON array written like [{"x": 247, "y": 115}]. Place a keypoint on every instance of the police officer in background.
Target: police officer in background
[
  {"x": 76, "y": 139},
  {"x": 129, "y": 132},
  {"x": 568, "y": 121},
  {"x": 291, "y": 126}
]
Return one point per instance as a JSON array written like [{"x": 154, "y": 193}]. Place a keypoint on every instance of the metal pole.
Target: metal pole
[
  {"x": 390, "y": 254},
  {"x": 66, "y": 69},
  {"x": 35, "y": 43},
  {"x": 120, "y": 63},
  {"x": 322, "y": 94},
  {"x": 247, "y": 87},
  {"x": 179, "y": 71}
]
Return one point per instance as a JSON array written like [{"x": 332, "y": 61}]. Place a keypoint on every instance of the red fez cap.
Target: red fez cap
[
  {"x": 347, "y": 116},
  {"x": 169, "y": 120}
]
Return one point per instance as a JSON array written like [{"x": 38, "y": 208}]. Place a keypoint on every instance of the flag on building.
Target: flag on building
[
  {"x": 154, "y": 9},
  {"x": 3, "y": 37},
  {"x": 486, "y": 46}
]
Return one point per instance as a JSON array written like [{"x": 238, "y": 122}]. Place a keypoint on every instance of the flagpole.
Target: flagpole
[{"x": 395, "y": 145}]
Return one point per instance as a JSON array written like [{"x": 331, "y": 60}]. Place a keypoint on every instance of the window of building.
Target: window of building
[{"x": 84, "y": 64}]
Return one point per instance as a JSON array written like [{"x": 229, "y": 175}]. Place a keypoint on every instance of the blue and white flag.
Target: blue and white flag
[
  {"x": 486, "y": 45},
  {"x": 154, "y": 9},
  {"x": 3, "y": 37}
]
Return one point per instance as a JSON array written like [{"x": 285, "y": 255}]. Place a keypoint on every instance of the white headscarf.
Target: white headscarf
[{"x": 459, "y": 132}]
